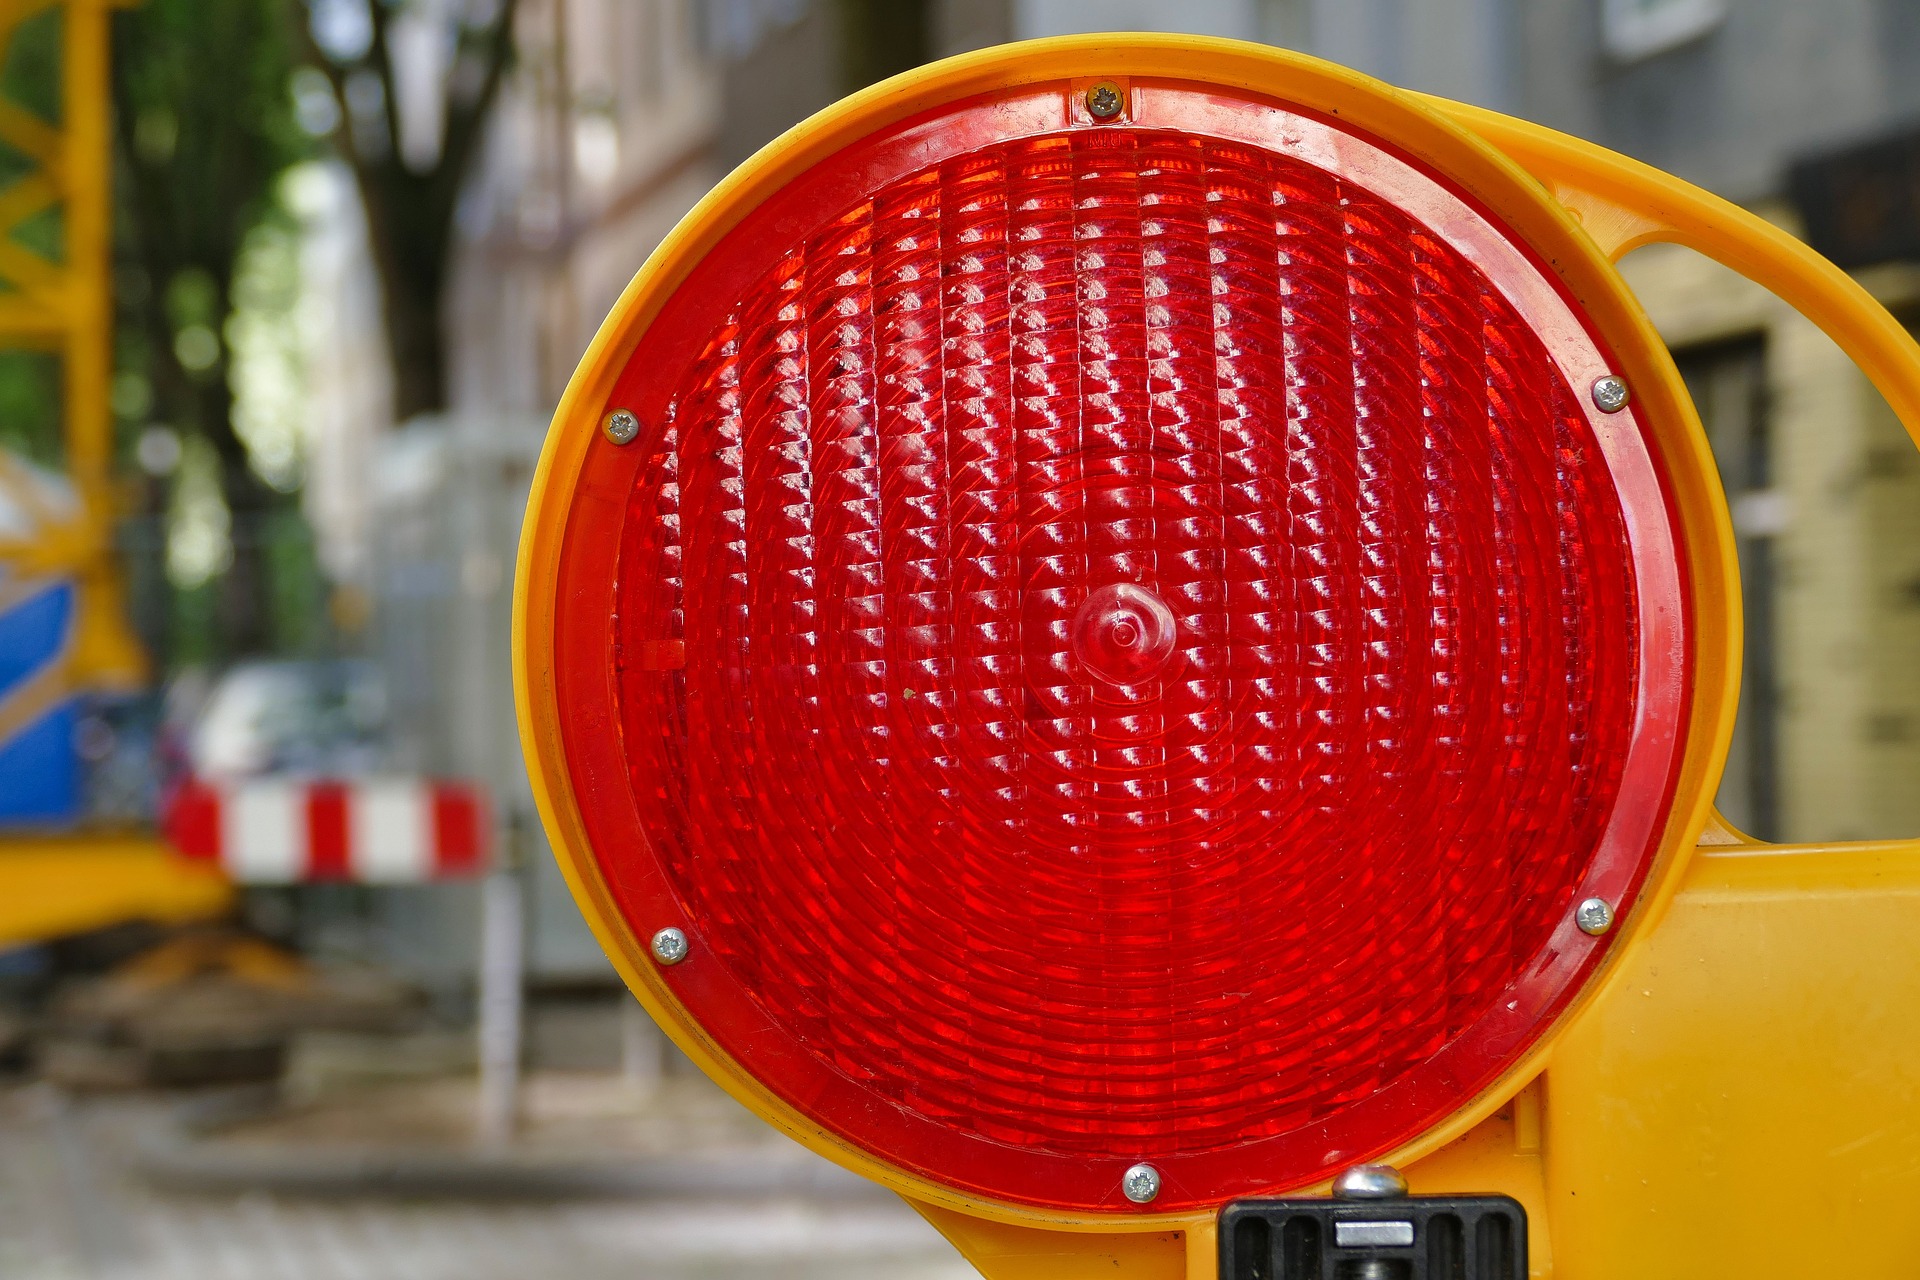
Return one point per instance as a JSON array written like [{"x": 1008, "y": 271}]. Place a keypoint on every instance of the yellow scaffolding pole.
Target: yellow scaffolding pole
[
  {"x": 63, "y": 305},
  {"x": 53, "y": 884}
]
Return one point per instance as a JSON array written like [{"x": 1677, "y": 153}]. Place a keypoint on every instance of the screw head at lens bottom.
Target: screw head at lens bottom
[{"x": 1141, "y": 1183}]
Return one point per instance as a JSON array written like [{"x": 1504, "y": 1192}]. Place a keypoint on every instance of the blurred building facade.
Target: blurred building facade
[{"x": 1746, "y": 98}]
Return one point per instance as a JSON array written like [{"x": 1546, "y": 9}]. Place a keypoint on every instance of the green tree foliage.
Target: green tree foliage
[
  {"x": 30, "y": 405},
  {"x": 205, "y": 130}
]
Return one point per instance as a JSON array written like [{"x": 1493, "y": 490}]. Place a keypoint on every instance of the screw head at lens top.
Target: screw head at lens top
[
  {"x": 1594, "y": 916},
  {"x": 622, "y": 426},
  {"x": 1610, "y": 394},
  {"x": 1141, "y": 1183},
  {"x": 1104, "y": 100},
  {"x": 669, "y": 946}
]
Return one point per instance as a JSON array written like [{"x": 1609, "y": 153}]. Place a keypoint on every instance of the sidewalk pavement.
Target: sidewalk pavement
[{"x": 684, "y": 1187}]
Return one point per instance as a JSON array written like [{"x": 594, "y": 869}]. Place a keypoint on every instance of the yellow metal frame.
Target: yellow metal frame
[
  {"x": 66, "y": 307},
  {"x": 55, "y": 885},
  {"x": 60, "y": 885},
  {"x": 1583, "y": 207}
]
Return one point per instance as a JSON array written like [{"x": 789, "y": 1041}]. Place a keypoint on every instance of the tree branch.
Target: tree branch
[
  {"x": 380, "y": 53},
  {"x": 464, "y": 126}
]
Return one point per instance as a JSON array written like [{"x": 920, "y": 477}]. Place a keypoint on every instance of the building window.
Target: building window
[
  {"x": 1634, "y": 29},
  {"x": 1728, "y": 382}
]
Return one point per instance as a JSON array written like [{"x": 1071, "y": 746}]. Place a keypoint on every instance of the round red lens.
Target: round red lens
[{"x": 1128, "y": 642}]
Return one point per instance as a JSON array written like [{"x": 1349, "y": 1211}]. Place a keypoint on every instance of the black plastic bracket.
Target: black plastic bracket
[{"x": 1408, "y": 1238}]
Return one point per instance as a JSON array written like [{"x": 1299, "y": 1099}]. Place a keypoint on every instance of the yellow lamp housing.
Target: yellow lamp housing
[{"x": 1720, "y": 1089}]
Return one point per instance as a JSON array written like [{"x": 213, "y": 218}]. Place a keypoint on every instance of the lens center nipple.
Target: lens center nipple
[{"x": 1124, "y": 634}]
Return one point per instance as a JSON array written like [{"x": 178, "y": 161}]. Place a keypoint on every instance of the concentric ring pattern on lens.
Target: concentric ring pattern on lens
[{"x": 1009, "y": 895}]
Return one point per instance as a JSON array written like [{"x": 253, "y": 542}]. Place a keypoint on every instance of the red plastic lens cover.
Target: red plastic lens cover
[{"x": 1122, "y": 642}]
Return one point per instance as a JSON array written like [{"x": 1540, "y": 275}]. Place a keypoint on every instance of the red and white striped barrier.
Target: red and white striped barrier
[{"x": 371, "y": 831}]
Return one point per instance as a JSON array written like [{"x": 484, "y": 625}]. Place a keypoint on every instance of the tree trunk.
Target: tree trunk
[
  {"x": 410, "y": 230},
  {"x": 880, "y": 38},
  {"x": 416, "y": 344}
]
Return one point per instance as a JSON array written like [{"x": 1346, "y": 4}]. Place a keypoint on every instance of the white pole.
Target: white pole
[
  {"x": 642, "y": 1049},
  {"x": 502, "y": 969}
]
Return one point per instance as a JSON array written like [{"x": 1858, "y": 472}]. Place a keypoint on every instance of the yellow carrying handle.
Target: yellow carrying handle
[{"x": 1623, "y": 204}]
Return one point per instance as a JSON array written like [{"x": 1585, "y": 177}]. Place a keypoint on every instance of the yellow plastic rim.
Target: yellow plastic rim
[{"x": 1368, "y": 106}]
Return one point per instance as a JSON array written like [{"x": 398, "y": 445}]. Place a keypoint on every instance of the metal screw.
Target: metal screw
[
  {"x": 1610, "y": 393},
  {"x": 1141, "y": 1183},
  {"x": 1370, "y": 1182},
  {"x": 621, "y": 426},
  {"x": 1594, "y": 916},
  {"x": 669, "y": 946},
  {"x": 1104, "y": 100}
]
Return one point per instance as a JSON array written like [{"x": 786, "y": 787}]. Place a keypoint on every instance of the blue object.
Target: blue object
[
  {"x": 40, "y": 782},
  {"x": 33, "y": 632}
]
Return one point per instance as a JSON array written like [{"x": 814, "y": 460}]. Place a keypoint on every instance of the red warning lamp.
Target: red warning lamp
[
  {"x": 1125, "y": 642},
  {"x": 1116, "y": 626},
  {"x": 1122, "y": 641}
]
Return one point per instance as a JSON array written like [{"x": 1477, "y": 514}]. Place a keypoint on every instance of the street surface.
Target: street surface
[{"x": 73, "y": 1208}]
